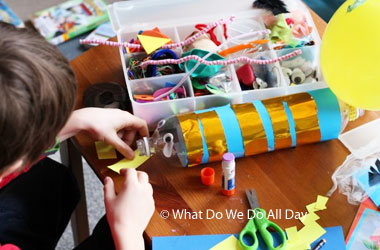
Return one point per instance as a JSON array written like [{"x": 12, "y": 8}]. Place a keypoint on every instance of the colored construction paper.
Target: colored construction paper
[
  {"x": 125, "y": 163},
  {"x": 311, "y": 232},
  {"x": 105, "y": 151},
  {"x": 311, "y": 207},
  {"x": 199, "y": 242},
  {"x": 309, "y": 218},
  {"x": 292, "y": 234},
  {"x": 297, "y": 245},
  {"x": 367, "y": 232},
  {"x": 321, "y": 202},
  {"x": 154, "y": 32},
  {"x": 334, "y": 239},
  {"x": 231, "y": 243},
  {"x": 151, "y": 43}
]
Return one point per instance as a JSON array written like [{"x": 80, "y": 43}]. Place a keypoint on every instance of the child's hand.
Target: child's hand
[
  {"x": 129, "y": 212},
  {"x": 114, "y": 126}
]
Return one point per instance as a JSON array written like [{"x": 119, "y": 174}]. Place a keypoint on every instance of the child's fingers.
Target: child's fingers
[
  {"x": 129, "y": 137},
  {"x": 139, "y": 125},
  {"x": 109, "y": 190},
  {"x": 130, "y": 175},
  {"x": 121, "y": 146},
  {"x": 142, "y": 177},
  {"x": 150, "y": 189}
]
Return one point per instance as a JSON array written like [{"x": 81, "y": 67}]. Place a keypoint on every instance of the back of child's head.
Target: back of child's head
[{"x": 37, "y": 94}]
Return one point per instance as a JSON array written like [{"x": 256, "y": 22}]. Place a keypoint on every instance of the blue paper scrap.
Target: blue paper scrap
[{"x": 334, "y": 237}]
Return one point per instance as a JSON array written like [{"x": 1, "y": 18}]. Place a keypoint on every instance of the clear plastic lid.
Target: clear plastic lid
[
  {"x": 363, "y": 140},
  {"x": 138, "y": 15}
]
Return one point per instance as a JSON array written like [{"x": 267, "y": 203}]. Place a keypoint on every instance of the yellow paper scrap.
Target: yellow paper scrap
[
  {"x": 231, "y": 243},
  {"x": 311, "y": 232},
  {"x": 105, "y": 151},
  {"x": 151, "y": 43},
  {"x": 297, "y": 245},
  {"x": 321, "y": 202},
  {"x": 292, "y": 234},
  {"x": 125, "y": 163},
  {"x": 311, "y": 207},
  {"x": 309, "y": 218}
]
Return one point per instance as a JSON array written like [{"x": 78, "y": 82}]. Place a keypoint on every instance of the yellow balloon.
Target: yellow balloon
[{"x": 350, "y": 53}]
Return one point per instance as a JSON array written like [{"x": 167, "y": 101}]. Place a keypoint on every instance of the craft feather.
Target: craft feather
[{"x": 275, "y": 6}]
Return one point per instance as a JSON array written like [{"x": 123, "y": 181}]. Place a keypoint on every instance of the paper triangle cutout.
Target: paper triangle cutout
[
  {"x": 154, "y": 32},
  {"x": 151, "y": 43}
]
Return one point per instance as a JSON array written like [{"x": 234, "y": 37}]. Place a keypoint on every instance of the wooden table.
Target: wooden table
[{"x": 285, "y": 179}]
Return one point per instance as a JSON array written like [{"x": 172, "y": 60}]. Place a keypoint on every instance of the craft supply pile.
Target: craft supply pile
[
  {"x": 234, "y": 59},
  {"x": 235, "y": 87}
]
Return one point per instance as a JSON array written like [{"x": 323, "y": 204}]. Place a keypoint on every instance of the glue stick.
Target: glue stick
[{"x": 228, "y": 174}]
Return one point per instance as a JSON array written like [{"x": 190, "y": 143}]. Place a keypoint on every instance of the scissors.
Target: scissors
[{"x": 260, "y": 223}]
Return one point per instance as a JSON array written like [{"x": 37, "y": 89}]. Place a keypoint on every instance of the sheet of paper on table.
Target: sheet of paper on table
[
  {"x": 334, "y": 237},
  {"x": 231, "y": 243}
]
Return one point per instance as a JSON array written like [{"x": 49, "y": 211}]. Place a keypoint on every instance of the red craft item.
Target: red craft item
[
  {"x": 246, "y": 75},
  {"x": 208, "y": 176}
]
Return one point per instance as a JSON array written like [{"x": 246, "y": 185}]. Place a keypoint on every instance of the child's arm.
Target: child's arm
[
  {"x": 129, "y": 212},
  {"x": 115, "y": 127}
]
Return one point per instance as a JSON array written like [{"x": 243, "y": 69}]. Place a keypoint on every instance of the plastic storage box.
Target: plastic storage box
[{"x": 176, "y": 19}]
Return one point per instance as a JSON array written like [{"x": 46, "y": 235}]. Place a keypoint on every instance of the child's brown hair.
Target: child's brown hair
[{"x": 37, "y": 94}]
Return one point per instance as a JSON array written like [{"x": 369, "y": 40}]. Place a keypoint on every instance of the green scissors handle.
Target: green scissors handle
[{"x": 261, "y": 223}]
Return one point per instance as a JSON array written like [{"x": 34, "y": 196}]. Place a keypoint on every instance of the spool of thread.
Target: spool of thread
[
  {"x": 228, "y": 174},
  {"x": 105, "y": 95}
]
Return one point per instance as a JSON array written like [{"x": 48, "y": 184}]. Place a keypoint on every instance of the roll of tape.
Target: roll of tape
[{"x": 105, "y": 95}]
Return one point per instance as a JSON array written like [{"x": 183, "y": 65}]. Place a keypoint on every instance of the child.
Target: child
[{"x": 37, "y": 95}]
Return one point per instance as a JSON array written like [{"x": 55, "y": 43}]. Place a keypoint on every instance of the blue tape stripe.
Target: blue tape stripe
[
  {"x": 232, "y": 130},
  {"x": 330, "y": 120},
  {"x": 205, "y": 149},
  {"x": 267, "y": 123},
  {"x": 231, "y": 127},
  {"x": 292, "y": 125}
]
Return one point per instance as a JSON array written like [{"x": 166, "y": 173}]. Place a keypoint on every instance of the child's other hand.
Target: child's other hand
[
  {"x": 129, "y": 212},
  {"x": 114, "y": 126}
]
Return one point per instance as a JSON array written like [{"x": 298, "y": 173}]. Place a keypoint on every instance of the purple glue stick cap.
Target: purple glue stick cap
[{"x": 228, "y": 157}]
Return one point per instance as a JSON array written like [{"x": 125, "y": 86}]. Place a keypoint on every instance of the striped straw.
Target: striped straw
[{"x": 242, "y": 59}]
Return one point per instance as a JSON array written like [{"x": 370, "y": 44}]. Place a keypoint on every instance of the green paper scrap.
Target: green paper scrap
[
  {"x": 282, "y": 32},
  {"x": 231, "y": 243},
  {"x": 55, "y": 148},
  {"x": 125, "y": 163},
  {"x": 105, "y": 151},
  {"x": 321, "y": 202}
]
